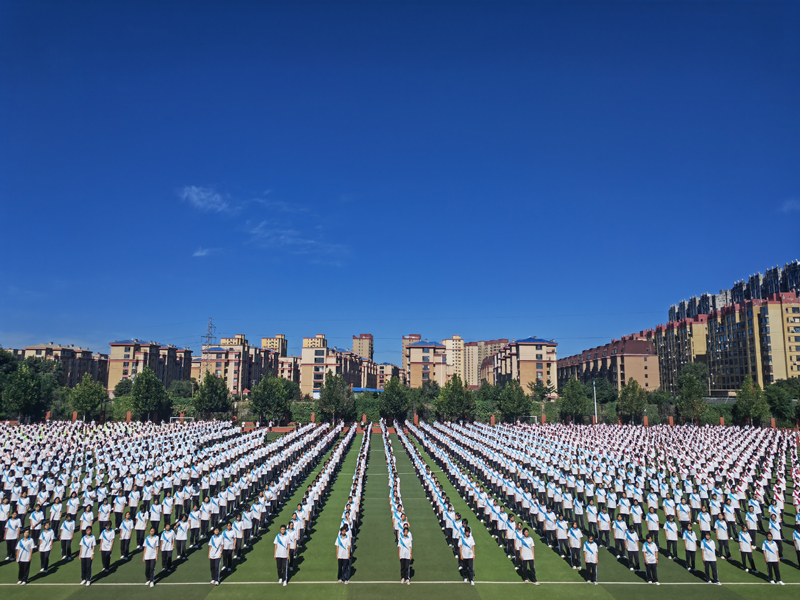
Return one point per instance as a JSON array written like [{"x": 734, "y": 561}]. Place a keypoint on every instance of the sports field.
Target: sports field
[{"x": 376, "y": 570}]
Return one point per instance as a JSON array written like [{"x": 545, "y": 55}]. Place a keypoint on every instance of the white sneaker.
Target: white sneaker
[
  {"x": 284, "y": 584},
  {"x": 657, "y": 583},
  {"x": 631, "y": 568},
  {"x": 465, "y": 580},
  {"x": 747, "y": 570},
  {"x": 41, "y": 570},
  {"x": 772, "y": 582},
  {"x": 212, "y": 582},
  {"x": 778, "y": 582},
  {"x": 88, "y": 583},
  {"x": 83, "y": 581},
  {"x": 152, "y": 584},
  {"x": 408, "y": 582}
]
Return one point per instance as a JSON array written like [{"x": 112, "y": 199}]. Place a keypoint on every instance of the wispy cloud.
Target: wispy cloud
[
  {"x": 204, "y": 251},
  {"x": 205, "y": 199},
  {"x": 790, "y": 206},
  {"x": 293, "y": 241},
  {"x": 280, "y": 205}
]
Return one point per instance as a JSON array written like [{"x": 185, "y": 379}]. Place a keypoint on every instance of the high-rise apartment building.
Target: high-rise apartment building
[
  {"x": 240, "y": 364},
  {"x": 289, "y": 368},
  {"x": 412, "y": 338},
  {"x": 427, "y": 362},
  {"x": 386, "y": 371},
  {"x": 456, "y": 359},
  {"x": 617, "y": 362},
  {"x": 526, "y": 361},
  {"x": 127, "y": 358},
  {"x": 474, "y": 355},
  {"x": 277, "y": 344},
  {"x": 75, "y": 361},
  {"x": 363, "y": 345},
  {"x": 318, "y": 360},
  {"x": 679, "y": 343},
  {"x": 369, "y": 373}
]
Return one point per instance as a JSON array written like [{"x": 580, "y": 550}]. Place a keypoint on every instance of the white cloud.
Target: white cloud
[
  {"x": 292, "y": 240},
  {"x": 790, "y": 206},
  {"x": 200, "y": 252},
  {"x": 205, "y": 199}
]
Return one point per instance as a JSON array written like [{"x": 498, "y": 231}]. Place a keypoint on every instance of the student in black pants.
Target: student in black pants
[{"x": 23, "y": 556}]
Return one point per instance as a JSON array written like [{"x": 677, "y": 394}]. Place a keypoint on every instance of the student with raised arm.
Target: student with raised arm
[
  {"x": 466, "y": 552},
  {"x": 88, "y": 543},
  {"x": 590, "y": 556},
  {"x": 281, "y": 555},
  {"x": 404, "y": 553},
  {"x": 215, "y": 555},
  {"x": 23, "y": 557},
  {"x": 527, "y": 557},
  {"x": 651, "y": 559},
  {"x": 343, "y": 555}
]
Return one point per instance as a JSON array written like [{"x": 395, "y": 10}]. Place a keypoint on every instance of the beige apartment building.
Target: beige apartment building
[
  {"x": 386, "y": 371},
  {"x": 526, "y": 361},
  {"x": 456, "y": 359},
  {"x": 277, "y": 344},
  {"x": 317, "y": 360},
  {"x": 474, "y": 355},
  {"x": 679, "y": 343},
  {"x": 412, "y": 338},
  {"x": 369, "y": 373},
  {"x": 616, "y": 362},
  {"x": 289, "y": 368},
  {"x": 129, "y": 357},
  {"x": 759, "y": 337},
  {"x": 363, "y": 345},
  {"x": 487, "y": 369},
  {"x": 240, "y": 364},
  {"x": 427, "y": 362},
  {"x": 75, "y": 361}
]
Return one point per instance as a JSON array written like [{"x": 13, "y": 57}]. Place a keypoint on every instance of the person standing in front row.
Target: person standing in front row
[
  {"x": 215, "y": 555},
  {"x": 773, "y": 560},
  {"x": 709, "y": 550},
  {"x": 150, "y": 557},
  {"x": 404, "y": 553},
  {"x": 106, "y": 546},
  {"x": 281, "y": 555},
  {"x": 46, "y": 546},
  {"x": 466, "y": 552},
  {"x": 343, "y": 555},
  {"x": 527, "y": 556},
  {"x": 24, "y": 553},
  {"x": 590, "y": 555},
  {"x": 651, "y": 559},
  {"x": 88, "y": 543}
]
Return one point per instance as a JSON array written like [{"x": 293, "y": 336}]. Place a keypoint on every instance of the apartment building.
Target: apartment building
[
  {"x": 129, "y": 357},
  {"x": 487, "y": 369},
  {"x": 758, "y": 337},
  {"x": 278, "y": 344},
  {"x": 526, "y": 361},
  {"x": 75, "y": 361},
  {"x": 632, "y": 357},
  {"x": 386, "y": 371},
  {"x": 679, "y": 343},
  {"x": 369, "y": 373},
  {"x": 289, "y": 368},
  {"x": 456, "y": 356},
  {"x": 363, "y": 345},
  {"x": 427, "y": 362},
  {"x": 240, "y": 364},
  {"x": 412, "y": 338},
  {"x": 474, "y": 355},
  {"x": 317, "y": 360}
]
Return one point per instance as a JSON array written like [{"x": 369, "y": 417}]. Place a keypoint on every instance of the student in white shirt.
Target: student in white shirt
[
  {"x": 215, "y": 555},
  {"x": 526, "y": 552},
  {"x": 88, "y": 543},
  {"x": 65, "y": 537},
  {"x": 125, "y": 532},
  {"x": 107, "y": 537},
  {"x": 773, "y": 560},
  {"x": 709, "y": 550},
  {"x": 12, "y": 534},
  {"x": 590, "y": 555},
  {"x": 575, "y": 544},
  {"x": 796, "y": 540},
  {"x": 281, "y": 555},
  {"x": 343, "y": 555},
  {"x": 466, "y": 552},
  {"x": 404, "y": 553},
  {"x": 24, "y": 552},
  {"x": 651, "y": 560},
  {"x": 671, "y": 533},
  {"x": 690, "y": 545},
  {"x": 45, "y": 546},
  {"x": 150, "y": 556},
  {"x": 181, "y": 536},
  {"x": 746, "y": 549},
  {"x": 228, "y": 543},
  {"x": 167, "y": 546}
]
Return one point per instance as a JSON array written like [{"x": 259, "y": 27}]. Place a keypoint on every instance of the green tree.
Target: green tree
[
  {"x": 574, "y": 401},
  {"x": 23, "y": 395},
  {"x": 148, "y": 394},
  {"x": 605, "y": 391},
  {"x": 632, "y": 401},
  {"x": 691, "y": 403},
  {"x": 660, "y": 397},
  {"x": 335, "y": 399},
  {"x": 514, "y": 402},
  {"x": 750, "y": 403},
  {"x": 791, "y": 385},
  {"x": 212, "y": 396},
  {"x": 181, "y": 388},
  {"x": 394, "y": 400},
  {"x": 780, "y": 401},
  {"x": 455, "y": 401},
  {"x": 487, "y": 401},
  {"x": 293, "y": 390},
  {"x": 123, "y": 388},
  {"x": 270, "y": 399},
  {"x": 697, "y": 370},
  {"x": 87, "y": 397}
]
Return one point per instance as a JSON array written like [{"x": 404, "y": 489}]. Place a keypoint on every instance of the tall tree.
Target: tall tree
[
  {"x": 661, "y": 397},
  {"x": 123, "y": 388},
  {"x": 514, "y": 402},
  {"x": 270, "y": 398},
  {"x": 751, "y": 404},
  {"x": 394, "y": 400},
  {"x": 780, "y": 401},
  {"x": 148, "y": 394},
  {"x": 632, "y": 401},
  {"x": 181, "y": 388},
  {"x": 22, "y": 394},
  {"x": 87, "y": 397},
  {"x": 335, "y": 398},
  {"x": 697, "y": 370},
  {"x": 574, "y": 401},
  {"x": 605, "y": 391},
  {"x": 212, "y": 396},
  {"x": 455, "y": 401},
  {"x": 691, "y": 403}
]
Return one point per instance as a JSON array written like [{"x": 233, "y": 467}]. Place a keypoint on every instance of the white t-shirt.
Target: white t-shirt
[
  {"x": 590, "y": 550},
  {"x": 342, "y": 546},
  {"x": 404, "y": 543},
  {"x": 467, "y": 546},
  {"x": 526, "y": 548},
  {"x": 215, "y": 546},
  {"x": 151, "y": 547},
  {"x": 25, "y": 549},
  {"x": 281, "y": 546},
  {"x": 107, "y": 540},
  {"x": 88, "y": 542}
]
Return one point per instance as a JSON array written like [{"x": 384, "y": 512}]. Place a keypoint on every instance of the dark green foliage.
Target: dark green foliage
[
  {"x": 605, "y": 391},
  {"x": 87, "y": 397},
  {"x": 455, "y": 401},
  {"x": 212, "y": 396},
  {"x": 779, "y": 400},
  {"x": 393, "y": 401},
  {"x": 148, "y": 394},
  {"x": 632, "y": 402},
  {"x": 575, "y": 404},
  {"x": 270, "y": 399},
  {"x": 514, "y": 402},
  {"x": 123, "y": 388},
  {"x": 180, "y": 388},
  {"x": 335, "y": 399}
]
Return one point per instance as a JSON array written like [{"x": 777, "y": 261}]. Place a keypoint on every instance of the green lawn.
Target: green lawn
[{"x": 376, "y": 567}]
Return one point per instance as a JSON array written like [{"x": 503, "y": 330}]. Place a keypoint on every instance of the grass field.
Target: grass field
[{"x": 376, "y": 570}]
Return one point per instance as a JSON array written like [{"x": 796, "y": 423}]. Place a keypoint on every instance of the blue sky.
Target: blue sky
[{"x": 483, "y": 169}]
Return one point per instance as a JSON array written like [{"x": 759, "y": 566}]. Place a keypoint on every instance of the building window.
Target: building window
[
  {"x": 218, "y": 373},
  {"x": 426, "y": 367},
  {"x": 219, "y": 356},
  {"x": 425, "y": 376},
  {"x": 126, "y": 356},
  {"x": 539, "y": 347},
  {"x": 125, "y": 365},
  {"x": 319, "y": 352},
  {"x": 319, "y": 360},
  {"x": 539, "y": 357},
  {"x": 218, "y": 365},
  {"x": 539, "y": 366},
  {"x": 125, "y": 372}
]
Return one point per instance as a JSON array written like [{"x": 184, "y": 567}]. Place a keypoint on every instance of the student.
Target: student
[
  {"x": 721, "y": 528},
  {"x": 140, "y": 526},
  {"x": 651, "y": 560},
  {"x": 772, "y": 558},
  {"x": 404, "y": 553},
  {"x": 653, "y": 524},
  {"x": 12, "y": 531},
  {"x": 215, "y": 555},
  {"x": 150, "y": 557},
  {"x": 88, "y": 543},
  {"x": 575, "y": 543},
  {"x": 690, "y": 545},
  {"x": 527, "y": 557},
  {"x": 194, "y": 526},
  {"x": 167, "y": 546},
  {"x": 343, "y": 555},
  {"x": 23, "y": 557},
  {"x": 604, "y": 524},
  {"x": 107, "y": 537},
  {"x": 590, "y": 555},
  {"x": 281, "y": 555},
  {"x": 228, "y": 543},
  {"x": 709, "y": 549},
  {"x": 796, "y": 540},
  {"x": 632, "y": 547},
  {"x": 746, "y": 548},
  {"x": 466, "y": 552},
  {"x": 125, "y": 532},
  {"x": 620, "y": 532},
  {"x": 65, "y": 537},
  {"x": 181, "y": 536},
  {"x": 45, "y": 546}
]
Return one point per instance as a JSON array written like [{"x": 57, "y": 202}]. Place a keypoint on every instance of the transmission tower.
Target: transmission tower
[{"x": 207, "y": 341}]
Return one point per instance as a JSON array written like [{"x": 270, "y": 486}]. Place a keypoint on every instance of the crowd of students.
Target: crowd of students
[
  {"x": 402, "y": 530},
  {"x": 578, "y": 485},
  {"x": 348, "y": 524}
]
